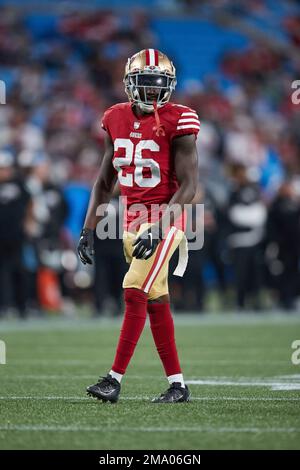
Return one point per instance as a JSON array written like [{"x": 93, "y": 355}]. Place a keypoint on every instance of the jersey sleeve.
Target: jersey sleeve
[
  {"x": 187, "y": 122},
  {"x": 106, "y": 120}
]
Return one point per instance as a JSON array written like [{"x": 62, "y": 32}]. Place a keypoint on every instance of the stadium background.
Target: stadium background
[{"x": 62, "y": 64}]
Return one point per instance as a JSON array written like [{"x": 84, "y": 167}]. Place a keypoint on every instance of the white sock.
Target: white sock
[
  {"x": 117, "y": 376},
  {"x": 176, "y": 378}
]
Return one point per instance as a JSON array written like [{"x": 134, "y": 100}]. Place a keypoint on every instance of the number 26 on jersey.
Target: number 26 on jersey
[{"x": 133, "y": 154}]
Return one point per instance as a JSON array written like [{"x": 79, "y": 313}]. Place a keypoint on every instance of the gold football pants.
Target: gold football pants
[{"x": 150, "y": 275}]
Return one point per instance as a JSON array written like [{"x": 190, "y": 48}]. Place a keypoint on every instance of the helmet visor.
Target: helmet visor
[
  {"x": 156, "y": 81},
  {"x": 151, "y": 87}
]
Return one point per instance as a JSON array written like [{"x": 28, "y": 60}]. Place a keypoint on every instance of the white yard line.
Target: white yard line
[
  {"x": 206, "y": 398},
  {"x": 240, "y": 383},
  {"x": 105, "y": 429},
  {"x": 291, "y": 376},
  {"x": 286, "y": 387},
  {"x": 287, "y": 383}
]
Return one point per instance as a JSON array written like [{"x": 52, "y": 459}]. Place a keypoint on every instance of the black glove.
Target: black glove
[
  {"x": 85, "y": 247},
  {"x": 146, "y": 243}
]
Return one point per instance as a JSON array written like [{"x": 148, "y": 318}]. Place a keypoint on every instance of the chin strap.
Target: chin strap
[{"x": 159, "y": 128}]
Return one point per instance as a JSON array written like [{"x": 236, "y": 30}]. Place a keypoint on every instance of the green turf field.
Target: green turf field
[{"x": 246, "y": 391}]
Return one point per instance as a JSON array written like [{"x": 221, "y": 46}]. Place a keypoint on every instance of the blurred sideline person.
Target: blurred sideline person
[
  {"x": 15, "y": 209},
  {"x": 150, "y": 147},
  {"x": 49, "y": 211},
  {"x": 283, "y": 237},
  {"x": 246, "y": 217},
  {"x": 110, "y": 268},
  {"x": 192, "y": 295}
]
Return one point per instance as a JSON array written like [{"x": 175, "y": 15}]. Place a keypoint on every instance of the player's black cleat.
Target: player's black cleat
[
  {"x": 106, "y": 389},
  {"x": 174, "y": 394}
]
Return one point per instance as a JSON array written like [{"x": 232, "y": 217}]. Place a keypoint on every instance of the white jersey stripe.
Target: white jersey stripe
[
  {"x": 151, "y": 56},
  {"x": 189, "y": 120},
  {"x": 182, "y": 106},
  {"x": 188, "y": 126},
  {"x": 190, "y": 114},
  {"x": 160, "y": 259}
]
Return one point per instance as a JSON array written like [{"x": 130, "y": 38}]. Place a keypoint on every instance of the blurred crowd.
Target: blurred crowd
[{"x": 61, "y": 73}]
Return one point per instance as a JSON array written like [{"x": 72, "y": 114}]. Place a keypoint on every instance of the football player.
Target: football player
[{"x": 150, "y": 148}]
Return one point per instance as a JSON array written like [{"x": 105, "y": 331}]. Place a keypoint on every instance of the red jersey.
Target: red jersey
[{"x": 142, "y": 159}]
